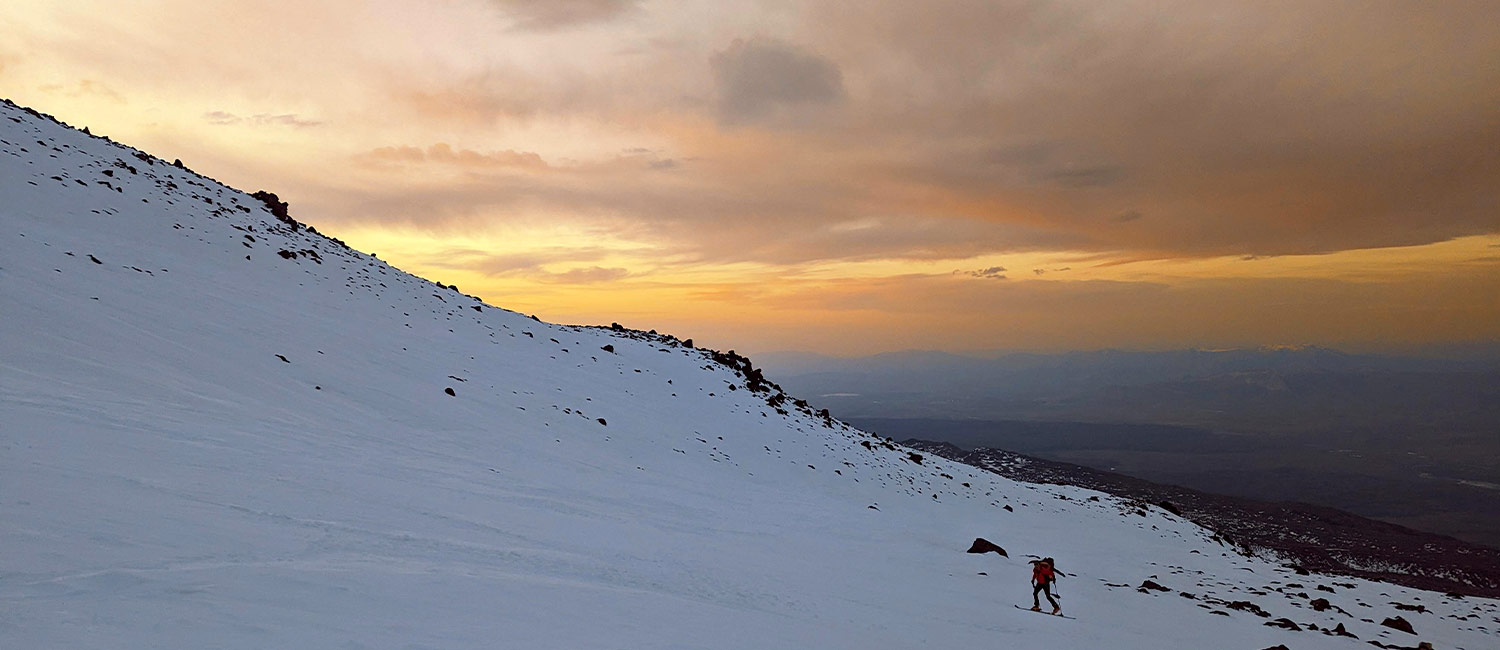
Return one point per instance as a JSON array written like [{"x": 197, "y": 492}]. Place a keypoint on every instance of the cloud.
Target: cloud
[
  {"x": 223, "y": 118},
  {"x": 991, "y": 273},
  {"x": 763, "y": 80},
  {"x": 1086, "y": 177},
  {"x": 442, "y": 153},
  {"x": 587, "y": 275},
  {"x": 84, "y": 87},
  {"x": 549, "y": 15}
]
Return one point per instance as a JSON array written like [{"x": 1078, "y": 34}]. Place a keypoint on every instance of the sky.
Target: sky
[{"x": 847, "y": 178}]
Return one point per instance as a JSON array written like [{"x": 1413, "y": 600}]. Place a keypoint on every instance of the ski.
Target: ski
[{"x": 1027, "y": 609}]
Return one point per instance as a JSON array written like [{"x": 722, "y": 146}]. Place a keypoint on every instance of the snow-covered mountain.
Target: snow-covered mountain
[{"x": 219, "y": 428}]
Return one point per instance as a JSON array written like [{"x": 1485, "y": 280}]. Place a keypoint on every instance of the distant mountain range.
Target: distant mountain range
[
  {"x": 1257, "y": 390},
  {"x": 1408, "y": 440}
]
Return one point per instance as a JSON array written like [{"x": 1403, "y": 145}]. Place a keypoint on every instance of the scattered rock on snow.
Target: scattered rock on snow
[
  {"x": 1150, "y": 586},
  {"x": 1285, "y": 623},
  {"x": 1398, "y": 623},
  {"x": 982, "y": 545},
  {"x": 1247, "y": 606}
]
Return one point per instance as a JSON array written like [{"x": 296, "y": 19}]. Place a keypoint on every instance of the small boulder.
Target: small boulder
[
  {"x": 1285, "y": 623},
  {"x": 982, "y": 545},
  {"x": 1150, "y": 586},
  {"x": 450, "y": 392},
  {"x": 1247, "y": 606},
  {"x": 1398, "y": 623}
]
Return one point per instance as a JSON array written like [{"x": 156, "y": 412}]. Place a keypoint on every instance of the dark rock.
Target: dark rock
[
  {"x": 1149, "y": 586},
  {"x": 278, "y": 207},
  {"x": 687, "y": 343},
  {"x": 915, "y": 457},
  {"x": 602, "y": 422},
  {"x": 177, "y": 162},
  {"x": 1340, "y": 631},
  {"x": 1247, "y": 606},
  {"x": 1008, "y": 508},
  {"x": 1321, "y": 604},
  {"x": 1167, "y": 505},
  {"x": 1274, "y": 647},
  {"x": 608, "y": 348},
  {"x": 282, "y": 358},
  {"x": 1398, "y": 623},
  {"x": 1420, "y": 609},
  {"x": 450, "y": 392},
  {"x": 982, "y": 545},
  {"x": 1285, "y": 623}
]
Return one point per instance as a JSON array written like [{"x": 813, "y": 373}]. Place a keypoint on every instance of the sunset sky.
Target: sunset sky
[{"x": 848, "y": 177}]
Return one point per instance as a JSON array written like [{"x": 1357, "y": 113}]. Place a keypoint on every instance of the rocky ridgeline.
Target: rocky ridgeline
[
  {"x": 1314, "y": 539},
  {"x": 754, "y": 378}
]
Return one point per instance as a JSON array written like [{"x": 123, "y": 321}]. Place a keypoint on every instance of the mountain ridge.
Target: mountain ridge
[{"x": 221, "y": 429}]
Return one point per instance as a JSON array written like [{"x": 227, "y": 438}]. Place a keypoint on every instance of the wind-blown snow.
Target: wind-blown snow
[{"x": 205, "y": 443}]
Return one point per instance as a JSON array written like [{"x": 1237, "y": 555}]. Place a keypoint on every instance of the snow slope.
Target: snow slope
[{"x": 207, "y": 442}]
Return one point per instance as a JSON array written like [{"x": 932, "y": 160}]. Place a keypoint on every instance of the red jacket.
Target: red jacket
[{"x": 1042, "y": 574}]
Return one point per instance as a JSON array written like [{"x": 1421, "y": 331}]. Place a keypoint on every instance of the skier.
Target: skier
[{"x": 1042, "y": 576}]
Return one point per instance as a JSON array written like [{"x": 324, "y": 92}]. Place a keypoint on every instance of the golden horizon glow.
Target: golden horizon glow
[{"x": 766, "y": 176}]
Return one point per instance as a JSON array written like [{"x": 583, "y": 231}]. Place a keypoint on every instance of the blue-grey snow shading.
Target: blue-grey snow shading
[{"x": 167, "y": 480}]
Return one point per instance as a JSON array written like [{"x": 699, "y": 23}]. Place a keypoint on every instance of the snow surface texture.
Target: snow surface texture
[{"x": 207, "y": 442}]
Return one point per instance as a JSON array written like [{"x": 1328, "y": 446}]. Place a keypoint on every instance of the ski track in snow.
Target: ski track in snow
[{"x": 203, "y": 450}]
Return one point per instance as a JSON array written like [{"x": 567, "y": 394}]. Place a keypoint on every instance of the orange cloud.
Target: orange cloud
[{"x": 813, "y": 176}]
